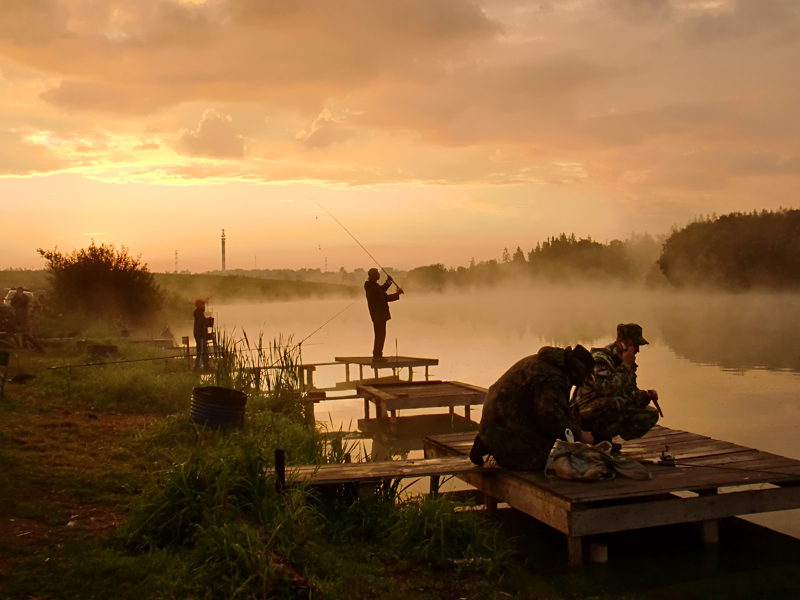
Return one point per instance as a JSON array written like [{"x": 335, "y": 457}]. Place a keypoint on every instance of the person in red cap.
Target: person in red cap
[{"x": 201, "y": 325}]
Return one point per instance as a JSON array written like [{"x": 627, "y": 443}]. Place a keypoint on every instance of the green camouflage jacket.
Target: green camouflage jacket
[
  {"x": 527, "y": 409},
  {"x": 612, "y": 378}
]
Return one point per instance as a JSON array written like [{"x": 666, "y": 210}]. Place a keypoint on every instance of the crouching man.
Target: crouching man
[
  {"x": 611, "y": 403},
  {"x": 527, "y": 409}
]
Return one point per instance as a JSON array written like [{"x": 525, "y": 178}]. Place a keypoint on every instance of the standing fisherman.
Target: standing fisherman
[
  {"x": 378, "y": 303},
  {"x": 201, "y": 325}
]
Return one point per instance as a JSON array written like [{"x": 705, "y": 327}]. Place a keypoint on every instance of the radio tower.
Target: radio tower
[
  {"x": 176, "y": 261},
  {"x": 223, "y": 249}
]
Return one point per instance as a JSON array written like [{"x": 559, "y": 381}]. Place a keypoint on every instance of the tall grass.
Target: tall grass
[
  {"x": 157, "y": 386},
  {"x": 216, "y": 498}
]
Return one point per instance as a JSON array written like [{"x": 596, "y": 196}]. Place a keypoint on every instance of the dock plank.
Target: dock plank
[{"x": 392, "y": 469}]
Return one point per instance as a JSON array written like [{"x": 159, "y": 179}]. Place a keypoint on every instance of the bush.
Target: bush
[{"x": 100, "y": 281}]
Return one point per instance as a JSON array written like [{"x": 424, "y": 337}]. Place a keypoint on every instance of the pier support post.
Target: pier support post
[
  {"x": 598, "y": 552},
  {"x": 280, "y": 470},
  {"x": 434, "y": 486},
  {"x": 366, "y": 407},
  {"x": 574, "y": 550},
  {"x": 394, "y": 422},
  {"x": 710, "y": 531},
  {"x": 491, "y": 504}
]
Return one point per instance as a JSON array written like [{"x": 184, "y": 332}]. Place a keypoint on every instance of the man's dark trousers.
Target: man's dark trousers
[{"x": 380, "y": 338}]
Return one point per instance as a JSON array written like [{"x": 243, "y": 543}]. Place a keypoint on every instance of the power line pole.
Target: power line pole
[{"x": 223, "y": 249}]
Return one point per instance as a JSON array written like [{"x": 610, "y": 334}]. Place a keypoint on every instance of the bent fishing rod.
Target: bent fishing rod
[{"x": 357, "y": 242}]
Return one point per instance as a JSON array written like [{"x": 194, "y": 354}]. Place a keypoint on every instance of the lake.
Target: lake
[{"x": 726, "y": 366}]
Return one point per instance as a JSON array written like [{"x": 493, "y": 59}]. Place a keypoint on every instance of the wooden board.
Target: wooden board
[
  {"x": 397, "y": 362},
  {"x": 425, "y": 394},
  {"x": 392, "y": 469}
]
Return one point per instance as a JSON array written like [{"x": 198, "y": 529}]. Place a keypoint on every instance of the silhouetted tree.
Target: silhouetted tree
[
  {"x": 736, "y": 251},
  {"x": 100, "y": 281}
]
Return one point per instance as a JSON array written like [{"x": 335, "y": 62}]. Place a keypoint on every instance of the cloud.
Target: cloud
[
  {"x": 32, "y": 22},
  {"x": 779, "y": 19},
  {"x": 20, "y": 157},
  {"x": 91, "y": 96},
  {"x": 215, "y": 137},
  {"x": 640, "y": 11},
  {"x": 325, "y": 130}
]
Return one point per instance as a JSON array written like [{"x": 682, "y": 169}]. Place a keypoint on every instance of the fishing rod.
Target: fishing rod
[{"x": 357, "y": 242}]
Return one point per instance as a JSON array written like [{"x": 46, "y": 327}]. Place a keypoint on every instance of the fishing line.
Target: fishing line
[
  {"x": 354, "y": 238},
  {"x": 326, "y": 322}
]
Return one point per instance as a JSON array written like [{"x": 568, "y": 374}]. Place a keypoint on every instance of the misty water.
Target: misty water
[{"x": 725, "y": 366}]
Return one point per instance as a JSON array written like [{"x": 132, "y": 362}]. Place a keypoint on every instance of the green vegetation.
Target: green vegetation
[
  {"x": 103, "y": 283},
  {"x": 737, "y": 251},
  {"x": 117, "y": 494}
]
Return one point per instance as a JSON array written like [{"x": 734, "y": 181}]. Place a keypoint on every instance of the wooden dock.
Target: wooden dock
[
  {"x": 396, "y": 363},
  {"x": 709, "y": 480},
  {"x": 389, "y": 398}
]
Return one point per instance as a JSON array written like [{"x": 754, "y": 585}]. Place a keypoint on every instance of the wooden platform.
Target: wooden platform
[
  {"x": 396, "y": 363},
  {"x": 392, "y": 397},
  {"x": 705, "y": 485}
]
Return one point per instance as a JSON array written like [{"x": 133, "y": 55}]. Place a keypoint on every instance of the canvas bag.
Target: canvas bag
[{"x": 582, "y": 462}]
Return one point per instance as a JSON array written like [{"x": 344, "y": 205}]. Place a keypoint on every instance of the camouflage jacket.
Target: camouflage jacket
[
  {"x": 612, "y": 378},
  {"x": 527, "y": 409}
]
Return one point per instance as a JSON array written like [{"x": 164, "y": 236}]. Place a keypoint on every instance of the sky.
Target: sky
[{"x": 434, "y": 131}]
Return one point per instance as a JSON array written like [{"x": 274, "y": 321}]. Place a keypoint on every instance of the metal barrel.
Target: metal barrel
[{"x": 217, "y": 407}]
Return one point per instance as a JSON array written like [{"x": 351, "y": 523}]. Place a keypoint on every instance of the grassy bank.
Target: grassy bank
[{"x": 110, "y": 491}]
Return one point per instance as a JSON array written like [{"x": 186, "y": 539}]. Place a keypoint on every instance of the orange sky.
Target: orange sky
[{"x": 435, "y": 130}]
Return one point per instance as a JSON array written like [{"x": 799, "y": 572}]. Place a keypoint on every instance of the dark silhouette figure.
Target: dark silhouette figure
[{"x": 378, "y": 303}]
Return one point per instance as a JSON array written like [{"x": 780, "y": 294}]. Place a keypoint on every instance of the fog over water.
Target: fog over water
[{"x": 726, "y": 366}]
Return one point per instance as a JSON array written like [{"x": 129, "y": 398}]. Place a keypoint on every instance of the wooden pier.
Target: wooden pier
[
  {"x": 396, "y": 363},
  {"x": 389, "y": 398},
  {"x": 708, "y": 480}
]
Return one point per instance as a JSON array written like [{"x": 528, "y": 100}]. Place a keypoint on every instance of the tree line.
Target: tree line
[{"x": 737, "y": 251}]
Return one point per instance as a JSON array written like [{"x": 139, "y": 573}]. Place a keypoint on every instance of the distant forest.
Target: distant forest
[{"x": 737, "y": 251}]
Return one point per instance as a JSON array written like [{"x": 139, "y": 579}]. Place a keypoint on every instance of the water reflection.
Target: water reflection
[
  {"x": 724, "y": 365},
  {"x": 734, "y": 332}
]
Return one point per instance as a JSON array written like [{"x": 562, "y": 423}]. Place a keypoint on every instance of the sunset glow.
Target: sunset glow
[{"x": 437, "y": 131}]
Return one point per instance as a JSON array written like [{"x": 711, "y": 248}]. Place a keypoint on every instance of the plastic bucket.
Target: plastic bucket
[{"x": 217, "y": 407}]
